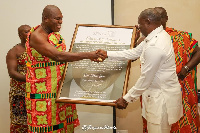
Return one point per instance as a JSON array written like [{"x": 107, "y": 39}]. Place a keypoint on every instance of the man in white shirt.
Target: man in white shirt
[{"x": 158, "y": 83}]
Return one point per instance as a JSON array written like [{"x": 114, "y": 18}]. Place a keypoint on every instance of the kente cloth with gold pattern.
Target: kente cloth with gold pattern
[
  {"x": 18, "y": 117},
  {"x": 184, "y": 45},
  {"x": 42, "y": 82}
]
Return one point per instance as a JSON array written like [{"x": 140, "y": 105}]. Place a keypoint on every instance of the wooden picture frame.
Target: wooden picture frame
[{"x": 87, "y": 82}]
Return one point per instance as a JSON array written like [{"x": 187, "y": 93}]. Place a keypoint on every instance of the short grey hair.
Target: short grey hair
[{"x": 150, "y": 14}]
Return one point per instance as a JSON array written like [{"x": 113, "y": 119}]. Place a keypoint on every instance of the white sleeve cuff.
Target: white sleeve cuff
[
  {"x": 129, "y": 99},
  {"x": 111, "y": 54}
]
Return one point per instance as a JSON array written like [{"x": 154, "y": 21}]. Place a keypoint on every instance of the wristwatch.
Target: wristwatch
[{"x": 187, "y": 68}]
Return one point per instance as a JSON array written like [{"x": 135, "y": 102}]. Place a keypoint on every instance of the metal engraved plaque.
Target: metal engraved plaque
[{"x": 89, "y": 82}]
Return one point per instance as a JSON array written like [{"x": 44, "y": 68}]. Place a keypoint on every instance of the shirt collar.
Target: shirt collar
[{"x": 154, "y": 33}]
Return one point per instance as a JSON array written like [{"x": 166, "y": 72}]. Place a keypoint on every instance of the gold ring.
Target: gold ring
[{"x": 99, "y": 59}]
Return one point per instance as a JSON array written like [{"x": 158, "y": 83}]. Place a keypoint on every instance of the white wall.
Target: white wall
[{"x": 16, "y": 13}]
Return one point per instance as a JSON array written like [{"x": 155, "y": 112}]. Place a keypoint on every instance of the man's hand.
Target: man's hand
[
  {"x": 93, "y": 56},
  {"x": 183, "y": 73},
  {"x": 121, "y": 103},
  {"x": 138, "y": 39},
  {"x": 101, "y": 55},
  {"x": 137, "y": 35}
]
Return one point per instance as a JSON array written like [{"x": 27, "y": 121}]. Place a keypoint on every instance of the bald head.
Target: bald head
[
  {"x": 151, "y": 14},
  {"x": 49, "y": 11},
  {"x": 22, "y": 28},
  {"x": 51, "y": 19},
  {"x": 164, "y": 17},
  {"x": 23, "y": 31}
]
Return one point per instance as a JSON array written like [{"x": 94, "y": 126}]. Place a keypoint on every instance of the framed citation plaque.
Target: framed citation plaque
[{"x": 88, "y": 82}]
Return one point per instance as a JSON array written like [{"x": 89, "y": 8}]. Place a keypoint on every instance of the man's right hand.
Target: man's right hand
[{"x": 101, "y": 55}]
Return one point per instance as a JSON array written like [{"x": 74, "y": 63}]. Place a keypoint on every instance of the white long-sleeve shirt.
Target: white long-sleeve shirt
[{"x": 158, "y": 80}]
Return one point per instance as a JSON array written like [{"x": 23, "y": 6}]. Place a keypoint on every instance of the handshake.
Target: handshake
[{"x": 98, "y": 55}]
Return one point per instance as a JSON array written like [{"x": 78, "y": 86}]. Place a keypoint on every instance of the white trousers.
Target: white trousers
[{"x": 163, "y": 127}]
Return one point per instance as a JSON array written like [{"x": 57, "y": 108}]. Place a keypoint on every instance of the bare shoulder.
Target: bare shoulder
[
  {"x": 13, "y": 49},
  {"x": 16, "y": 51},
  {"x": 12, "y": 53},
  {"x": 38, "y": 37}
]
